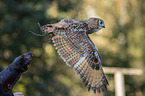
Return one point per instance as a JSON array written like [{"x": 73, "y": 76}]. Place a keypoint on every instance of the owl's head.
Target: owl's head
[{"x": 95, "y": 24}]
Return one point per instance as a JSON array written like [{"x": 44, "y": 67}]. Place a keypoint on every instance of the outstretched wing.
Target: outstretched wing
[
  {"x": 76, "y": 35},
  {"x": 75, "y": 48}
]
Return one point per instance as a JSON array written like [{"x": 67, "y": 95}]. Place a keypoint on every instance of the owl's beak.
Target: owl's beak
[{"x": 103, "y": 26}]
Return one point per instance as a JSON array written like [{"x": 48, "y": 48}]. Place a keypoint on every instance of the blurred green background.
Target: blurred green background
[{"x": 121, "y": 43}]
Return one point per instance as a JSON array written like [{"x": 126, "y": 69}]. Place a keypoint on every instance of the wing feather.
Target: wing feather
[
  {"x": 92, "y": 78},
  {"x": 90, "y": 69},
  {"x": 66, "y": 52},
  {"x": 77, "y": 36},
  {"x": 76, "y": 48}
]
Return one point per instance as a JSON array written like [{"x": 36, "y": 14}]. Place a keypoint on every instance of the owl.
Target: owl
[{"x": 73, "y": 44}]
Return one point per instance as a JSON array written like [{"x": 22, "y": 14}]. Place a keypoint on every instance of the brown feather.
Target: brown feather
[{"x": 75, "y": 47}]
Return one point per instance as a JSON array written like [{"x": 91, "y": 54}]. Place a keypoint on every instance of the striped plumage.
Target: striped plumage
[{"x": 73, "y": 44}]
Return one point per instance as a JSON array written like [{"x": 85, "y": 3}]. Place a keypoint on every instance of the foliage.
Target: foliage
[{"x": 121, "y": 43}]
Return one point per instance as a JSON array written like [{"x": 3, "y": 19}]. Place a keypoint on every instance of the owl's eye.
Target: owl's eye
[{"x": 101, "y": 22}]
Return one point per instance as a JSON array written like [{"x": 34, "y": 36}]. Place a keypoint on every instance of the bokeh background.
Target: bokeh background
[{"x": 121, "y": 43}]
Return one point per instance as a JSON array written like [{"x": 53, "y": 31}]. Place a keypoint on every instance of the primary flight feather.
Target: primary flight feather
[{"x": 73, "y": 44}]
